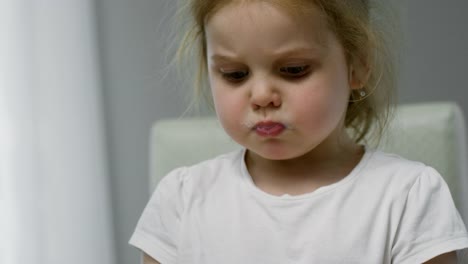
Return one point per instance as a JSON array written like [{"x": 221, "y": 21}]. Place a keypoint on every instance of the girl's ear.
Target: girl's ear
[{"x": 358, "y": 75}]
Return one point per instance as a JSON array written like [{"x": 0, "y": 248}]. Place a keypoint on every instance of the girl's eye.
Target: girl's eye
[
  {"x": 235, "y": 76},
  {"x": 295, "y": 71}
]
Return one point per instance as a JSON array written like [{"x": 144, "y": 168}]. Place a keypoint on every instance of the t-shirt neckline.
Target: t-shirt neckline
[{"x": 247, "y": 179}]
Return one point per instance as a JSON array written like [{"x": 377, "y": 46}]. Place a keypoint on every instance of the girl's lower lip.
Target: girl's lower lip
[{"x": 269, "y": 129}]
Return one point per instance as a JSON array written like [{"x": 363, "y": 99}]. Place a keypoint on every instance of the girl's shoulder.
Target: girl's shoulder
[
  {"x": 395, "y": 172},
  {"x": 208, "y": 168},
  {"x": 381, "y": 160},
  {"x": 391, "y": 162},
  {"x": 200, "y": 176}
]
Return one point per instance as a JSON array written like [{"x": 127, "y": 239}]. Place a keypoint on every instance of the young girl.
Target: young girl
[{"x": 289, "y": 80}]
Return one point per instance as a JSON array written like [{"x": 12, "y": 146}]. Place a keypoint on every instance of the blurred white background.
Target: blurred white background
[
  {"x": 55, "y": 203},
  {"x": 80, "y": 86}
]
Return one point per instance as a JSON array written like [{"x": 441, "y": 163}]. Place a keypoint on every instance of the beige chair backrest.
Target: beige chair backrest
[{"x": 433, "y": 133}]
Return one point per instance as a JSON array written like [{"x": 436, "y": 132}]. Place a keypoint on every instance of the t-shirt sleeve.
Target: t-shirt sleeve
[
  {"x": 158, "y": 228},
  {"x": 430, "y": 224}
]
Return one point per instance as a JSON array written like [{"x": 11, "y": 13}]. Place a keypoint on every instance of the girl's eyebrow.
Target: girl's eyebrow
[
  {"x": 290, "y": 52},
  {"x": 299, "y": 52},
  {"x": 218, "y": 57}
]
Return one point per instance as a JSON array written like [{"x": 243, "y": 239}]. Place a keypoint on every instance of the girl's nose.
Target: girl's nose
[{"x": 264, "y": 95}]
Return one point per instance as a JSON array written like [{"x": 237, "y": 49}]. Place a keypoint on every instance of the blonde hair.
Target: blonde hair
[{"x": 366, "y": 39}]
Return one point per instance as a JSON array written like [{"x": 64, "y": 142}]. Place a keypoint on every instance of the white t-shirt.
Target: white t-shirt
[{"x": 387, "y": 210}]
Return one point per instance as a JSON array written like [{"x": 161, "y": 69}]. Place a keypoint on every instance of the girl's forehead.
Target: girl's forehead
[
  {"x": 295, "y": 8},
  {"x": 253, "y": 20}
]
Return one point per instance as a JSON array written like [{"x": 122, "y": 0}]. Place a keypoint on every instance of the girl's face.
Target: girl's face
[{"x": 280, "y": 83}]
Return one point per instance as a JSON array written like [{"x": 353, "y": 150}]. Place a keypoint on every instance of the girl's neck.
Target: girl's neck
[{"x": 305, "y": 173}]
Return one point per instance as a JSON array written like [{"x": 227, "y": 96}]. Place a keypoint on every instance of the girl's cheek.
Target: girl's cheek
[
  {"x": 227, "y": 99},
  {"x": 228, "y": 107},
  {"x": 317, "y": 106},
  {"x": 222, "y": 102}
]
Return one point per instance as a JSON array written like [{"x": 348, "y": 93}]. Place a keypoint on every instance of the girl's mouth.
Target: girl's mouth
[{"x": 269, "y": 129}]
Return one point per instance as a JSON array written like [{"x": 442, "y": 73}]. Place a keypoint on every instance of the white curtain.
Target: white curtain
[{"x": 54, "y": 190}]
